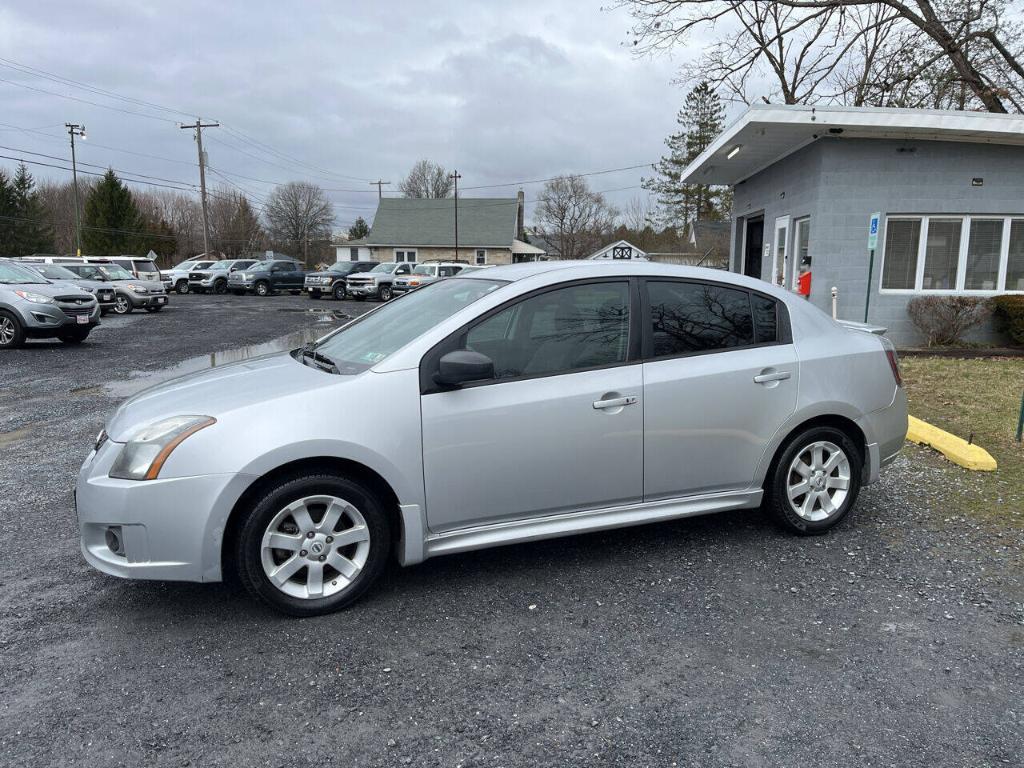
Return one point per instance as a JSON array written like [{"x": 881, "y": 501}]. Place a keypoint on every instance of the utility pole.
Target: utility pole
[
  {"x": 198, "y": 128},
  {"x": 455, "y": 176},
  {"x": 74, "y": 129},
  {"x": 379, "y": 185}
]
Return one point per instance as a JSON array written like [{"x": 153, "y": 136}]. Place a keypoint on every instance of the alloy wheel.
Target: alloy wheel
[
  {"x": 315, "y": 547},
  {"x": 818, "y": 481},
  {"x": 121, "y": 305},
  {"x": 385, "y": 293},
  {"x": 7, "y": 331}
]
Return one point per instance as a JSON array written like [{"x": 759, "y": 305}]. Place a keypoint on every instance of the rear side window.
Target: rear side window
[
  {"x": 145, "y": 266},
  {"x": 698, "y": 317},
  {"x": 766, "y": 319},
  {"x": 286, "y": 266}
]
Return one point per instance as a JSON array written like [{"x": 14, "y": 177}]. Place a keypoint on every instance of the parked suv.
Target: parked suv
[
  {"x": 265, "y": 277},
  {"x": 141, "y": 267},
  {"x": 129, "y": 292},
  {"x": 176, "y": 277},
  {"x": 332, "y": 281},
  {"x": 424, "y": 274},
  {"x": 33, "y": 307},
  {"x": 214, "y": 278},
  {"x": 379, "y": 281},
  {"x": 102, "y": 290}
]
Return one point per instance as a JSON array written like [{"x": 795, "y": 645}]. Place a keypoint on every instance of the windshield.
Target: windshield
[
  {"x": 221, "y": 266},
  {"x": 114, "y": 272},
  {"x": 384, "y": 268},
  {"x": 185, "y": 265},
  {"x": 54, "y": 272},
  {"x": 261, "y": 266},
  {"x": 367, "y": 341},
  {"x": 344, "y": 267},
  {"x": 12, "y": 274},
  {"x": 422, "y": 270}
]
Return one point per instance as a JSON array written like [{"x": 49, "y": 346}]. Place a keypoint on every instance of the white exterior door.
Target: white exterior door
[{"x": 780, "y": 242}]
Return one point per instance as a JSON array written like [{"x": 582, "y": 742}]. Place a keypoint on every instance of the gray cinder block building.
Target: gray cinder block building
[{"x": 949, "y": 187}]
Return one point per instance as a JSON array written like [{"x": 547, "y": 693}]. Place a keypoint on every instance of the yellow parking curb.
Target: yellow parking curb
[{"x": 954, "y": 448}]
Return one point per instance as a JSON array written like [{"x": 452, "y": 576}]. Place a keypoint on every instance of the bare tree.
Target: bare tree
[
  {"x": 234, "y": 224},
  {"x": 59, "y": 201},
  {"x": 573, "y": 218},
  {"x": 297, "y": 213},
  {"x": 426, "y": 179},
  {"x": 957, "y": 53}
]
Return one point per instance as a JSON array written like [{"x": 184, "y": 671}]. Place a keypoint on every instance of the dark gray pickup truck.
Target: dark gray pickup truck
[{"x": 265, "y": 277}]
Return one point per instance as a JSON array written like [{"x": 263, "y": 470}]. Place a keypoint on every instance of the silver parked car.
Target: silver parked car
[
  {"x": 176, "y": 278},
  {"x": 214, "y": 278},
  {"x": 32, "y": 307},
  {"x": 584, "y": 396},
  {"x": 379, "y": 281},
  {"x": 103, "y": 292}
]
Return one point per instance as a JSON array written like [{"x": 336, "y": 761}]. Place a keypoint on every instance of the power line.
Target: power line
[
  {"x": 86, "y": 101},
  {"x": 94, "y": 173},
  {"x": 553, "y": 178}
]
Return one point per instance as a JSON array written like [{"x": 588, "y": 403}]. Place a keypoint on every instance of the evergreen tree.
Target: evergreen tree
[
  {"x": 359, "y": 229},
  {"x": 8, "y": 217},
  {"x": 700, "y": 120},
  {"x": 32, "y": 232},
  {"x": 112, "y": 223}
]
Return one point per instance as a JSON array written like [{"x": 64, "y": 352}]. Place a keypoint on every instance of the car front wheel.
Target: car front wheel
[
  {"x": 122, "y": 305},
  {"x": 220, "y": 287},
  {"x": 339, "y": 291},
  {"x": 815, "y": 481},
  {"x": 12, "y": 335},
  {"x": 312, "y": 544},
  {"x": 385, "y": 293},
  {"x": 262, "y": 289},
  {"x": 182, "y": 287}
]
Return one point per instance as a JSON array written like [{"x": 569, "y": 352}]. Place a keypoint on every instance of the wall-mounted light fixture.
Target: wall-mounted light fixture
[
  {"x": 977, "y": 181},
  {"x": 734, "y": 151}
]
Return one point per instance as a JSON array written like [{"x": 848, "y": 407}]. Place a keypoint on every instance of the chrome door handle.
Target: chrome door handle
[
  {"x": 766, "y": 377},
  {"x": 615, "y": 402}
]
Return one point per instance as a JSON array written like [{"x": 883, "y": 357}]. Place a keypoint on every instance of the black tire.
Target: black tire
[
  {"x": 182, "y": 287},
  {"x": 314, "y": 295},
  {"x": 155, "y": 308},
  {"x": 262, "y": 288},
  {"x": 104, "y": 311},
  {"x": 122, "y": 305},
  {"x": 340, "y": 292},
  {"x": 220, "y": 287},
  {"x": 76, "y": 336},
  {"x": 12, "y": 334},
  {"x": 384, "y": 293},
  {"x": 246, "y": 561},
  {"x": 780, "y": 480}
]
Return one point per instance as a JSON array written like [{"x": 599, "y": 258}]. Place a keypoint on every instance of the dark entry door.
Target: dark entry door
[{"x": 753, "y": 247}]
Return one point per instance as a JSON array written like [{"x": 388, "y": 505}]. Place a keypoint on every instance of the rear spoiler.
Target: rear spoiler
[{"x": 878, "y": 330}]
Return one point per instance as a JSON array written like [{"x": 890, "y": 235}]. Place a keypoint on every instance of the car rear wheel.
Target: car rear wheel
[
  {"x": 122, "y": 305},
  {"x": 815, "y": 481},
  {"x": 182, "y": 287},
  {"x": 340, "y": 292},
  {"x": 385, "y": 293},
  {"x": 12, "y": 335},
  {"x": 312, "y": 544},
  {"x": 262, "y": 289}
]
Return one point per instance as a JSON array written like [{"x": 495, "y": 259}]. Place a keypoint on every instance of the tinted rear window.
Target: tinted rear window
[
  {"x": 698, "y": 317},
  {"x": 766, "y": 318}
]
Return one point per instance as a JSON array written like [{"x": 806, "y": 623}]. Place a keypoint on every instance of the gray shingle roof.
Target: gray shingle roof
[{"x": 483, "y": 221}]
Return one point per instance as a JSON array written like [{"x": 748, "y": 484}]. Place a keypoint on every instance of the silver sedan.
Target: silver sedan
[{"x": 513, "y": 404}]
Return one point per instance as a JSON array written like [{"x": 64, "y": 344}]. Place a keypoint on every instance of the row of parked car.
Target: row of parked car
[
  {"x": 63, "y": 297},
  {"x": 359, "y": 280}
]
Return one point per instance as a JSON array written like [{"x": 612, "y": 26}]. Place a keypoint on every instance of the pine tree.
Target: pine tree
[
  {"x": 8, "y": 217},
  {"x": 359, "y": 229},
  {"x": 700, "y": 120},
  {"x": 112, "y": 223},
  {"x": 32, "y": 232}
]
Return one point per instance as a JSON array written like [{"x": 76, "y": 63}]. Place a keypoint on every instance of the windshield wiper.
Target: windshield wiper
[{"x": 320, "y": 360}]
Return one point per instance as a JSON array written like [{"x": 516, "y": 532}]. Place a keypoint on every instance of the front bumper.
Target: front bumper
[
  {"x": 42, "y": 320},
  {"x": 363, "y": 290},
  {"x": 148, "y": 299},
  {"x": 169, "y": 528}
]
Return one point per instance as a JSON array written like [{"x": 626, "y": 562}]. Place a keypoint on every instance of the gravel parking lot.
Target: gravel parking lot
[{"x": 896, "y": 640}]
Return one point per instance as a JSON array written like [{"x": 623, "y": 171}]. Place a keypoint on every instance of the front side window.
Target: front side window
[
  {"x": 559, "y": 331},
  {"x": 449, "y": 271},
  {"x": 698, "y": 317},
  {"x": 902, "y": 240},
  {"x": 286, "y": 266},
  {"x": 378, "y": 334},
  {"x": 941, "y": 255}
]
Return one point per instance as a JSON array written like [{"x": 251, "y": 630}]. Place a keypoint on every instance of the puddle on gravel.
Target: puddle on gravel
[
  {"x": 140, "y": 380},
  {"x": 322, "y": 315}
]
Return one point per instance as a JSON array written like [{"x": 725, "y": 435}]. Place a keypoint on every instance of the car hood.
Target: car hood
[
  {"x": 51, "y": 289},
  {"x": 218, "y": 391}
]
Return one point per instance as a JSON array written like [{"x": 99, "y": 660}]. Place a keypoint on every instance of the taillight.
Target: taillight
[{"x": 894, "y": 363}]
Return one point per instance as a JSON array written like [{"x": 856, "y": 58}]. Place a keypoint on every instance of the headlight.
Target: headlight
[
  {"x": 138, "y": 288},
  {"x": 144, "y": 455},
  {"x": 35, "y": 298}
]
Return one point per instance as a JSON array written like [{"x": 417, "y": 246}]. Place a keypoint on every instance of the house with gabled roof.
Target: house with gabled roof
[{"x": 490, "y": 231}]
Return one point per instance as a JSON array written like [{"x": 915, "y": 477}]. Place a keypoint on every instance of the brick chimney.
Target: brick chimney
[{"x": 520, "y": 214}]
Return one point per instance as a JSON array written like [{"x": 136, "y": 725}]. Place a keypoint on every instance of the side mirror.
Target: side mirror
[{"x": 462, "y": 367}]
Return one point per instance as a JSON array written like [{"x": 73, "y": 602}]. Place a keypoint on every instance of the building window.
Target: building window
[
  {"x": 952, "y": 254},
  {"x": 481, "y": 256},
  {"x": 353, "y": 254},
  {"x": 405, "y": 255},
  {"x": 801, "y": 240}
]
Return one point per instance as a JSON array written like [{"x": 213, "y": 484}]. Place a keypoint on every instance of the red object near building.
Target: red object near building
[{"x": 803, "y": 284}]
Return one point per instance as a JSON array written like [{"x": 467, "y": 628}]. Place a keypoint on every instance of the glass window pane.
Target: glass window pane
[
  {"x": 556, "y": 332},
  {"x": 695, "y": 317},
  {"x": 941, "y": 254},
  {"x": 766, "y": 322},
  {"x": 902, "y": 238},
  {"x": 986, "y": 240},
  {"x": 1015, "y": 260}
]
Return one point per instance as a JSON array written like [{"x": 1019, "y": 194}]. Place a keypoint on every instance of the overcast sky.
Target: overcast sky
[{"x": 503, "y": 91}]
